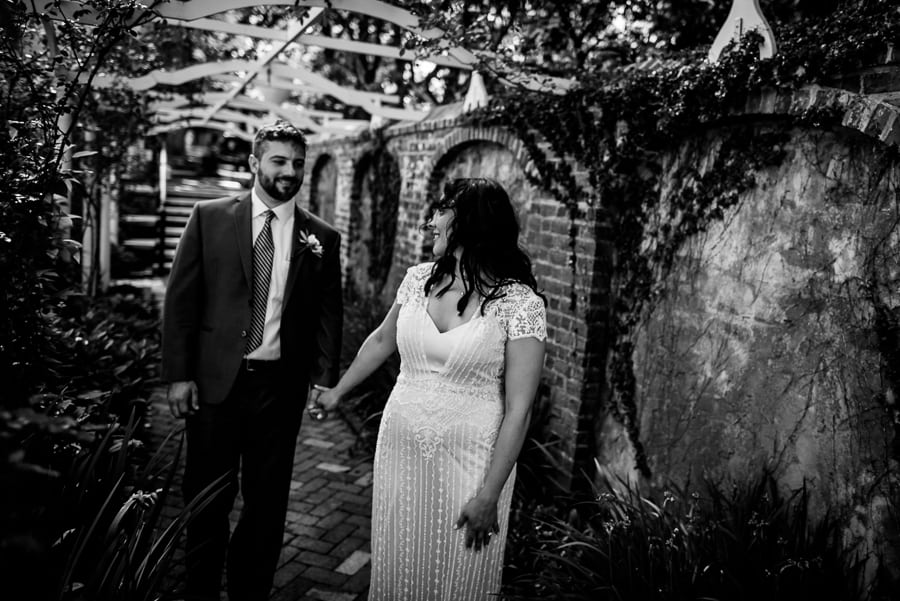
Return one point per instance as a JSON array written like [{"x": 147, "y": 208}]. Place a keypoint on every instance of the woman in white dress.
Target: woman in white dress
[{"x": 470, "y": 328}]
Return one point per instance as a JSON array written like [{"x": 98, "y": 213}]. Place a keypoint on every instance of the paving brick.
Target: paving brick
[
  {"x": 364, "y": 480},
  {"x": 333, "y": 467},
  {"x": 333, "y": 519},
  {"x": 299, "y": 506},
  {"x": 295, "y": 590},
  {"x": 294, "y": 516},
  {"x": 344, "y": 487},
  {"x": 306, "y": 518},
  {"x": 359, "y": 582},
  {"x": 350, "y": 544},
  {"x": 323, "y": 576},
  {"x": 298, "y": 529},
  {"x": 288, "y": 572},
  {"x": 320, "y": 595},
  {"x": 313, "y": 544},
  {"x": 354, "y": 498},
  {"x": 338, "y": 533},
  {"x": 320, "y": 444},
  {"x": 352, "y": 564},
  {"x": 288, "y": 553},
  {"x": 326, "y": 504},
  {"x": 314, "y": 485},
  {"x": 311, "y": 558},
  {"x": 358, "y": 510}
]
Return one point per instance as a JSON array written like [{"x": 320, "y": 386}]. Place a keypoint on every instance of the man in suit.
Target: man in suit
[{"x": 252, "y": 318}]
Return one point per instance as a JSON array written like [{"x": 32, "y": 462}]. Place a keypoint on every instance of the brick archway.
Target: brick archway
[
  {"x": 323, "y": 186},
  {"x": 462, "y": 137},
  {"x": 467, "y": 135}
]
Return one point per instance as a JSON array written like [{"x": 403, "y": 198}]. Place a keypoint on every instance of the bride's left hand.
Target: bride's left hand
[{"x": 480, "y": 518}]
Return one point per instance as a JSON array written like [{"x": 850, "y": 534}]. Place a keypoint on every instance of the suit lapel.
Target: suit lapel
[
  {"x": 301, "y": 222},
  {"x": 244, "y": 235}
]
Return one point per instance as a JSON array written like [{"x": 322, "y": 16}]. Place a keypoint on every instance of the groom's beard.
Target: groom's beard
[{"x": 280, "y": 188}]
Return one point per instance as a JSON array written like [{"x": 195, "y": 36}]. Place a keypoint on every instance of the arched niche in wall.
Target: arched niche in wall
[
  {"x": 481, "y": 158},
  {"x": 323, "y": 187},
  {"x": 374, "y": 203}
]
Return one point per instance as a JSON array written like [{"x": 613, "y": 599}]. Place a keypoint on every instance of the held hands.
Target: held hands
[
  {"x": 183, "y": 398},
  {"x": 480, "y": 518},
  {"x": 328, "y": 399},
  {"x": 321, "y": 401}
]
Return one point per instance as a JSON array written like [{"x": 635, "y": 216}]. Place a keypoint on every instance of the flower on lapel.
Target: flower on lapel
[{"x": 312, "y": 243}]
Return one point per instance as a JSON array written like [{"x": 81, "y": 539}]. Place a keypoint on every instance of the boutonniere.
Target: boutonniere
[{"x": 311, "y": 242}]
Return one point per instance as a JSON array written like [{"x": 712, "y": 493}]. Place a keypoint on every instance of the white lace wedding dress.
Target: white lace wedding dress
[{"x": 435, "y": 445}]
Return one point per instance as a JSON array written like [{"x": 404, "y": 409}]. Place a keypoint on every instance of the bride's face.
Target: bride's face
[{"x": 441, "y": 223}]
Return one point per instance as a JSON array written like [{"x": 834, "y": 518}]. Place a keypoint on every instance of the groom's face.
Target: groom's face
[{"x": 279, "y": 169}]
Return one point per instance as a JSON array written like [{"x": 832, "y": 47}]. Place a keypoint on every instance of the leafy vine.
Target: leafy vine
[{"x": 620, "y": 125}]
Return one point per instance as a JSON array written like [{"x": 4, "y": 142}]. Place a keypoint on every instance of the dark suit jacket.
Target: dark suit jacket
[{"x": 206, "y": 314}]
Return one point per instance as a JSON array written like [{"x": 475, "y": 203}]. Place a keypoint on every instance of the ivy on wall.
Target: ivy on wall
[{"x": 620, "y": 125}]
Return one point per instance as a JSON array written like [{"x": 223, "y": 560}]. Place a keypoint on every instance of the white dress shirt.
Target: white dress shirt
[{"x": 282, "y": 228}]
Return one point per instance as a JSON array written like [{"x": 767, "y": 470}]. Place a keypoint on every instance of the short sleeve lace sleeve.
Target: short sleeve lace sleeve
[
  {"x": 413, "y": 282},
  {"x": 528, "y": 318}
]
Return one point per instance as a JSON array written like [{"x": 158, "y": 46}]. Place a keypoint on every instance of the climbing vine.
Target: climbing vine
[
  {"x": 621, "y": 124},
  {"x": 378, "y": 174}
]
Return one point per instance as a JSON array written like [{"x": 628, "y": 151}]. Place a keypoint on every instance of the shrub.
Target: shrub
[
  {"x": 95, "y": 531},
  {"x": 72, "y": 452},
  {"x": 364, "y": 405},
  {"x": 750, "y": 543}
]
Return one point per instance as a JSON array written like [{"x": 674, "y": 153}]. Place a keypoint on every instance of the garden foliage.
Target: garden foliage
[
  {"x": 77, "y": 512},
  {"x": 719, "y": 542}
]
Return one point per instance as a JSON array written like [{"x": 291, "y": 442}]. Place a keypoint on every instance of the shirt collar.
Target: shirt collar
[{"x": 282, "y": 212}]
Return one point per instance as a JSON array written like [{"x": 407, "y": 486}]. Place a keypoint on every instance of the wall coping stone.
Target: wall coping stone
[{"x": 872, "y": 117}]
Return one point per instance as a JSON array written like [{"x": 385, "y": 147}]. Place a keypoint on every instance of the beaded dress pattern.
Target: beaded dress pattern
[{"x": 435, "y": 444}]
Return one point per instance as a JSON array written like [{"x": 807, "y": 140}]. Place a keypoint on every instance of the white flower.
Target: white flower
[{"x": 312, "y": 243}]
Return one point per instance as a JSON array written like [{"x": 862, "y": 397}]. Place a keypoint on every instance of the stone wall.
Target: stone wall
[
  {"x": 776, "y": 343},
  {"x": 765, "y": 348}
]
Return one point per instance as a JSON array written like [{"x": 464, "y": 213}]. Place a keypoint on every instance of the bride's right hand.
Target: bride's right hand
[{"x": 328, "y": 399}]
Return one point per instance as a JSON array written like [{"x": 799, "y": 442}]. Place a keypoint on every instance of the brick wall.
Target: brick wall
[
  {"x": 432, "y": 151},
  {"x": 579, "y": 299}
]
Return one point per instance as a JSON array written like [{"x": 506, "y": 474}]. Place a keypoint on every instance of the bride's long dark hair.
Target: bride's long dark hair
[{"x": 486, "y": 230}]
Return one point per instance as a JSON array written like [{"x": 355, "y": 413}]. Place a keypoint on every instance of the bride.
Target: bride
[{"x": 470, "y": 328}]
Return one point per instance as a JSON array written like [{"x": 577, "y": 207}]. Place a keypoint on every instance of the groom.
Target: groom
[{"x": 252, "y": 318}]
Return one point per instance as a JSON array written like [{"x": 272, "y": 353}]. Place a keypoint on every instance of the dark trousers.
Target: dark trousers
[{"x": 253, "y": 432}]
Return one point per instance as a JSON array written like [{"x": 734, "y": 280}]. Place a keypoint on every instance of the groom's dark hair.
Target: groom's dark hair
[{"x": 280, "y": 131}]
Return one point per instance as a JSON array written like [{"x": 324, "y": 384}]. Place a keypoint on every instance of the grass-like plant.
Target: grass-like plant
[
  {"x": 100, "y": 532},
  {"x": 731, "y": 543}
]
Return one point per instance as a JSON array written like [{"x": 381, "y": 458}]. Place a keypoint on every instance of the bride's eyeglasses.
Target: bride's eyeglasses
[{"x": 439, "y": 206}]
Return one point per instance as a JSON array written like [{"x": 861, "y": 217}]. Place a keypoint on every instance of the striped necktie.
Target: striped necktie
[{"x": 263, "y": 256}]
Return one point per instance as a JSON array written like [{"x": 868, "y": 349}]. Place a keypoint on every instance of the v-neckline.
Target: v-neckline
[{"x": 454, "y": 328}]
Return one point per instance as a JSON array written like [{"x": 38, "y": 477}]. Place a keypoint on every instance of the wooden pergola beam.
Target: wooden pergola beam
[
  {"x": 284, "y": 73},
  {"x": 300, "y": 116},
  {"x": 319, "y": 41},
  {"x": 285, "y": 83},
  {"x": 198, "y": 9},
  {"x": 188, "y": 123},
  {"x": 295, "y": 28},
  {"x": 196, "y": 12}
]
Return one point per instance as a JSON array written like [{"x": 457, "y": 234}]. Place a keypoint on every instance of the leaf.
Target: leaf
[
  {"x": 84, "y": 153},
  {"x": 69, "y": 243}
]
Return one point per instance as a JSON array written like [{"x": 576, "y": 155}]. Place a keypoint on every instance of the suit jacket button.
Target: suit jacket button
[{"x": 243, "y": 333}]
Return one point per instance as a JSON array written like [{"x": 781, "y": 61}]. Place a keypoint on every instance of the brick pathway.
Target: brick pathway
[{"x": 325, "y": 556}]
